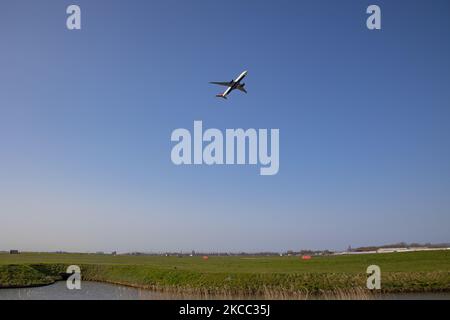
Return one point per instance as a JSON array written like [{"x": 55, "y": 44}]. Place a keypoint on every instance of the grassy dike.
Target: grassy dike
[
  {"x": 16, "y": 276},
  {"x": 271, "y": 277}
]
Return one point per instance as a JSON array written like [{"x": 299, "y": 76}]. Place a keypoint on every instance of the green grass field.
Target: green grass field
[{"x": 401, "y": 272}]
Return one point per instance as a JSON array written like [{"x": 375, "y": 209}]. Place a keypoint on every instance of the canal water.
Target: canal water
[
  {"x": 89, "y": 291},
  {"x": 103, "y": 291}
]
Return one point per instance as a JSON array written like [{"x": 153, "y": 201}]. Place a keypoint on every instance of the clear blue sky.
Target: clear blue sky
[{"x": 86, "y": 118}]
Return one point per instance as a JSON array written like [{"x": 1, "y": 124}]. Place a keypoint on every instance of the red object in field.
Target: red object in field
[
  {"x": 306, "y": 257},
  {"x": 205, "y": 257}
]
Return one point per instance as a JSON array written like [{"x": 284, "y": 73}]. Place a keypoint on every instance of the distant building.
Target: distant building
[
  {"x": 114, "y": 253},
  {"x": 13, "y": 251}
]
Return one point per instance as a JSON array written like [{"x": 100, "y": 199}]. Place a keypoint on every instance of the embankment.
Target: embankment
[{"x": 268, "y": 285}]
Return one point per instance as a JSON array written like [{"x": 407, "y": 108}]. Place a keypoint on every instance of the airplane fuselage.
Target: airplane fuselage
[{"x": 241, "y": 77}]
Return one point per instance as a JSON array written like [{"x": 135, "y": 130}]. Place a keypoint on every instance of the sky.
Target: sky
[{"x": 86, "y": 118}]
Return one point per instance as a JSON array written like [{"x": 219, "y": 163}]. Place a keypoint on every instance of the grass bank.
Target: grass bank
[{"x": 271, "y": 277}]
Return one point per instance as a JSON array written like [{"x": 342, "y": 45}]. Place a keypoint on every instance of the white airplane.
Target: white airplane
[{"x": 232, "y": 85}]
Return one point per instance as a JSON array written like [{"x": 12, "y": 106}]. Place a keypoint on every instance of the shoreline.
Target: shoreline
[{"x": 352, "y": 294}]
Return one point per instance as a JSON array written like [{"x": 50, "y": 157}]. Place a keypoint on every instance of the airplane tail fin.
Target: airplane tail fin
[{"x": 221, "y": 96}]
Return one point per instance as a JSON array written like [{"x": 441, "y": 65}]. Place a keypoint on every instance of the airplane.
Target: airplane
[{"x": 232, "y": 85}]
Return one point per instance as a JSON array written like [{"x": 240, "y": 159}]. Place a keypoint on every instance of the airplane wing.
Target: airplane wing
[{"x": 226, "y": 84}]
